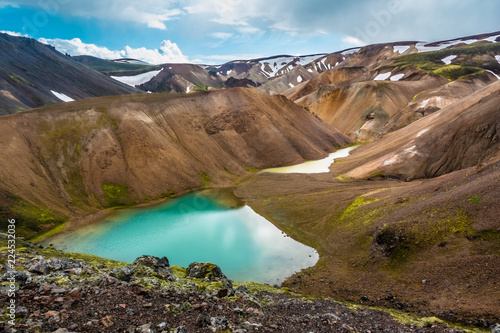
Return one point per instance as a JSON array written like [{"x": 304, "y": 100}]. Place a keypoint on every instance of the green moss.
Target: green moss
[
  {"x": 358, "y": 203},
  {"x": 431, "y": 61},
  {"x": 454, "y": 72},
  {"x": 18, "y": 79},
  {"x": 205, "y": 179},
  {"x": 252, "y": 170},
  {"x": 34, "y": 219},
  {"x": 200, "y": 87},
  {"x": 117, "y": 195},
  {"x": 475, "y": 199}
]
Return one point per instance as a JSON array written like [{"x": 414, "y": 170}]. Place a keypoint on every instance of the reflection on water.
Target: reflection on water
[
  {"x": 245, "y": 245},
  {"x": 318, "y": 166}
]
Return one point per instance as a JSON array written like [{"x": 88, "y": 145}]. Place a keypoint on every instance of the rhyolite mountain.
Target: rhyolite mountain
[
  {"x": 67, "y": 160},
  {"x": 31, "y": 71}
]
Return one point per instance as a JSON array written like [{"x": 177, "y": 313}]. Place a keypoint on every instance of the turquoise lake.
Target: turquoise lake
[{"x": 195, "y": 228}]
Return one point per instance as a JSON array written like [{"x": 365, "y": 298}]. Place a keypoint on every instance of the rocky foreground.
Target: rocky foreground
[{"x": 68, "y": 292}]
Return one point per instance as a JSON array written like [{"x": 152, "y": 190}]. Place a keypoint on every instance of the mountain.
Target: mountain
[
  {"x": 380, "y": 88},
  {"x": 67, "y": 160},
  {"x": 461, "y": 135},
  {"x": 33, "y": 75}
]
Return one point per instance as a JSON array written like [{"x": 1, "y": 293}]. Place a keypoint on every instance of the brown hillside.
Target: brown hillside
[
  {"x": 461, "y": 135},
  {"x": 66, "y": 160}
]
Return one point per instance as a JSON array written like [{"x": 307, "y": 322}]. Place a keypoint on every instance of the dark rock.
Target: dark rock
[
  {"x": 204, "y": 270},
  {"x": 219, "y": 323},
  {"x": 124, "y": 273},
  {"x": 364, "y": 299},
  {"x": 180, "y": 329},
  {"x": 146, "y": 328},
  {"x": 58, "y": 264},
  {"x": 40, "y": 266},
  {"x": 158, "y": 265},
  {"x": 203, "y": 321}
]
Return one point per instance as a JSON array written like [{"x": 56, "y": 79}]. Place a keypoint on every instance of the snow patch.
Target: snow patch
[
  {"x": 299, "y": 79},
  {"x": 310, "y": 70},
  {"x": 421, "y": 46},
  {"x": 424, "y": 103},
  {"x": 188, "y": 89},
  {"x": 382, "y": 76},
  {"x": 448, "y": 59},
  {"x": 291, "y": 85},
  {"x": 498, "y": 58},
  {"x": 492, "y": 38},
  {"x": 62, "y": 97},
  {"x": 137, "y": 80},
  {"x": 351, "y": 51},
  {"x": 397, "y": 77},
  {"x": 229, "y": 71},
  {"x": 401, "y": 49},
  {"x": 422, "y": 132},
  {"x": 498, "y": 77}
]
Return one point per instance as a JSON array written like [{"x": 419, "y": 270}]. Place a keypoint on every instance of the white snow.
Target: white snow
[
  {"x": 170, "y": 68},
  {"x": 62, "y": 97},
  {"x": 448, "y": 59},
  {"x": 291, "y": 85},
  {"x": 397, "y": 77},
  {"x": 188, "y": 89},
  {"x": 299, "y": 79},
  {"x": 498, "y": 58},
  {"x": 310, "y": 70},
  {"x": 421, "y": 46},
  {"x": 318, "y": 166},
  {"x": 137, "y": 80},
  {"x": 424, "y": 103},
  {"x": 492, "y": 38},
  {"x": 229, "y": 71},
  {"x": 498, "y": 77},
  {"x": 401, "y": 49},
  {"x": 422, "y": 132},
  {"x": 351, "y": 51},
  {"x": 383, "y": 76}
]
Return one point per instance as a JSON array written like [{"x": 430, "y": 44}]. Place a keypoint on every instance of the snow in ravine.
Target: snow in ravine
[
  {"x": 383, "y": 76},
  {"x": 421, "y": 47},
  {"x": 498, "y": 58},
  {"x": 498, "y": 77},
  {"x": 299, "y": 79},
  {"x": 448, "y": 59},
  {"x": 397, "y": 77},
  {"x": 62, "y": 97},
  {"x": 137, "y": 80},
  {"x": 401, "y": 49}
]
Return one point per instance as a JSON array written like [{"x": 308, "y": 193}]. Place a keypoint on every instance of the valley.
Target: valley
[{"x": 405, "y": 219}]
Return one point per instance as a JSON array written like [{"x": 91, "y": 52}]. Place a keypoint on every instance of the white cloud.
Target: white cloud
[
  {"x": 168, "y": 53},
  {"x": 13, "y": 33},
  {"x": 353, "y": 41},
  {"x": 151, "y": 13},
  {"x": 221, "y": 35}
]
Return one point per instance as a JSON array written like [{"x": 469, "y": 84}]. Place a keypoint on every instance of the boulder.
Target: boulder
[{"x": 158, "y": 265}]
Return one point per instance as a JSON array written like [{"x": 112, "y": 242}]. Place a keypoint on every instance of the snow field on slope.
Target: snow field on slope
[
  {"x": 62, "y": 97},
  {"x": 137, "y": 80}
]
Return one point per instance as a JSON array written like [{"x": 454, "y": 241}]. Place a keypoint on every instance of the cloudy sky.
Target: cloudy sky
[{"x": 215, "y": 31}]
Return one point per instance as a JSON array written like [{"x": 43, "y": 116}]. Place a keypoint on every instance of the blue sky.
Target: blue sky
[{"x": 215, "y": 31}]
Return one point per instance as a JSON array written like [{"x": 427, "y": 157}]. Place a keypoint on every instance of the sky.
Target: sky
[{"x": 217, "y": 31}]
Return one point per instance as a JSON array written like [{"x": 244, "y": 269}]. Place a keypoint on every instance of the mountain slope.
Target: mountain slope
[
  {"x": 33, "y": 75},
  {"x": 461, "y": 135},
  {"x": 338, "y": 95},
  {"x": 67, "y": 160}
]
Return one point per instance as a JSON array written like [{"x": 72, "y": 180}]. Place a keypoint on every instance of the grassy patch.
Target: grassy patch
[
  {"x": 431, "y": 61},
  {"x": 205, "y": 179},
  {"x": 117, "y": 195},
  {"x": 358, "y": 203},
  {"x": 475, "y": 199},
  {"x": 34, "y": 219}
]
